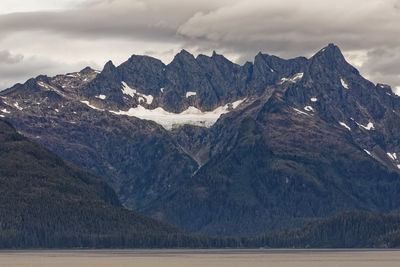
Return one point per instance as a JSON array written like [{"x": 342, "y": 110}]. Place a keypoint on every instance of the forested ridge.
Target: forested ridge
[
  {"x": 353, "y": 229},
  {"x": 46, "y": 202}
]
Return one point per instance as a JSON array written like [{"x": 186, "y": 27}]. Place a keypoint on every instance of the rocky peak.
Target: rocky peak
[
  {"x": 183, "y": 57},
  {"x": 280, "y": 65},
  {"x": 109, "y": 72},
  {"x": 330, "y": 50},
  {"x": 109, "y": 67},
  {"x": 221, "y": 59},
  {"x": 269, "y": 70},
  {"x": 144, "y": 73},
  {"x": 87, "y": 70},
  {"x": 330, "y": 58},
  {"x": 135, "y": 60}
]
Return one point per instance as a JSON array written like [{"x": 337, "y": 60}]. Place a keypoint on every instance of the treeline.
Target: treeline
[
  {"x": 120, "y": 228},
  {"x": 355, "y": 229},
  {"x": 46, "y": 224}
]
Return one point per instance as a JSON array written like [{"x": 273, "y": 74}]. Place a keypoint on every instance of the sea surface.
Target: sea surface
[{"x": 200, "y": 258}]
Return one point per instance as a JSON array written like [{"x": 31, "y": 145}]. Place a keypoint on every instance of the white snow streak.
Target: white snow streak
[
  {"x": 51, "y": 88},
  {"x": 295, "y": 78},
  {"x": 301, "y": 112},
  {"x": 17, "y": 106},
  {"x": 344, "y": 84},
  {"x": 369, "y": 153},
  {"x": 393, "y": 156},
  {"x": 345, "y": 125},
  {"x": 91, "y": 106}
]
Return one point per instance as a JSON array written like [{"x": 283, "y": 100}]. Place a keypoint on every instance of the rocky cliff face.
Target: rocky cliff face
[{"x": 219, "y": 148}]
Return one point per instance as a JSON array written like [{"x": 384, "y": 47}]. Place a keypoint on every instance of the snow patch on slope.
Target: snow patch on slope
[
  {"x": 369, "y": 127},
  {"x": 126, "y": 90},
  {"x": 369, "y": 153},
  {"x": 73, "y": 75},
  {"x": 295, "y": 78},
  {"x": 51, "y": 88},
  {"x": 309, "y": 108},
  {"x": 16, "y": 105},
  {"x": 393, "y": 156},
  {"x": 189, "y": 94},
  {"x": 169, "y": 120},
  {"x": 102, "y": 97},
  {"x": 91, "y": 106},
  {"x": 301, "y": 112},
  {"x": 344, "y": 84},
  {"x": 345, "y": 125}
]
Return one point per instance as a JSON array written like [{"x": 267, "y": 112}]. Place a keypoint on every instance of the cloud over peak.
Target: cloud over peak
[{"x": 367, "y": 31}]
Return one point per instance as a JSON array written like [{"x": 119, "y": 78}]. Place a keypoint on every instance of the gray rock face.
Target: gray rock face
[
  {"x": 215, "y": 80},
  {"x": 311, "y": 138}
]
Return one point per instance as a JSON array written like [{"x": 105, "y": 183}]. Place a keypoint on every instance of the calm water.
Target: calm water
[{"x": 200, "y": 258}]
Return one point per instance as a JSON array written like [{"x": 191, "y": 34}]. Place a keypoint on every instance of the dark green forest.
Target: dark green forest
[
  {"x": 46, "y": 202},
  {"x": 355, "y": 229}
]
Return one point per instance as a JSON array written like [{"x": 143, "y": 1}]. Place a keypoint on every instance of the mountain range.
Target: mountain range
[{"x": 220, "y": 148}]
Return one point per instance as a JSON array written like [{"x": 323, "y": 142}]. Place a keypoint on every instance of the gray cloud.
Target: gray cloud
[
  {"x": 148, "y": 20},
  {"x": 8, "y": 58},
  {"x": 384, "y": 65},
  {"x": 367, "y": 30},
  {"x": 290, "y": 26},
  {"x": 28, "y": 67}
]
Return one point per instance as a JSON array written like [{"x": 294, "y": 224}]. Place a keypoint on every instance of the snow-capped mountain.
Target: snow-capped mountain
[{"x": 219, "y": 148}]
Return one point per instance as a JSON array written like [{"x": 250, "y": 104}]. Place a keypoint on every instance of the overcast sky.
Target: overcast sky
[{"x": 59, "y": 36}]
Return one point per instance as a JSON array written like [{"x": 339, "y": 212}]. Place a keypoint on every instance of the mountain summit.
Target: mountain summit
[{"x": 220, "y": 148}]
